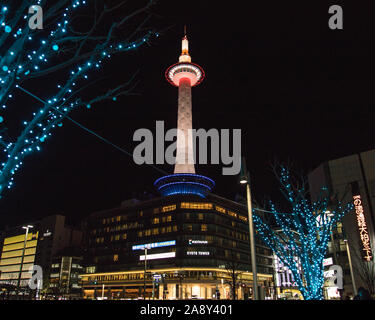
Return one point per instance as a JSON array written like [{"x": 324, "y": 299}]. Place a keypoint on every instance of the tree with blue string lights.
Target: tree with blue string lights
[
  {"x": 66, "y": 53},
  {"x": 300, "y": 237}
]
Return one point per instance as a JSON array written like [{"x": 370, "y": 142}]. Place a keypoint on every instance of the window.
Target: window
[
  {"x": 175, "y": 228},
  {"x": 200, "y": 216},
  {"x": 141, "y": 213},
  {"x": 169, "y": 218},
  {"x": 168, "y": 208},
  {"x": 203, "y": 227},
  {"x": 187, "y": 215},
  {"x": 115, "y": 257},
  {"x": 242, "y": 218},
  {"x": 155, "y": 231},
  {"x": 124, "y": 236},
  {"x": 100, "y": 240},
  {"x": 190, "y": 227},
  {"x": 169, "y": 229},
  {"x": 155, "y": 221},
  {"x": 232, "y": 214},
  {"x": 196, "y": 205},
  {"x": 140, "y": 234},
  {"x": 156, "y": 210},
  {"x": 220, "y": 209},
  {"x": 118, "y": 218}
]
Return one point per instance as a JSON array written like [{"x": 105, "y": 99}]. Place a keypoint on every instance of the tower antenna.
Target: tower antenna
[{"x": 185, "y": 30}]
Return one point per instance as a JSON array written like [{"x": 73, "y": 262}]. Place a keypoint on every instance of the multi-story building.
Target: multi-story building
[
  {"x": 44, "y": 239},
  {"x": 65, "y": 276},
  {"x": 193, "y": 241},
  {"x": 350, "y": 179}
]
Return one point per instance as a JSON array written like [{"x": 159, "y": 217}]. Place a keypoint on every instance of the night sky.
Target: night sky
[{"x": 298, "y": 90}]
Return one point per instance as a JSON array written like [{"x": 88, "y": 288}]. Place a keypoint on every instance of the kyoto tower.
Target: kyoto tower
[{"x": 184, "y": 75}]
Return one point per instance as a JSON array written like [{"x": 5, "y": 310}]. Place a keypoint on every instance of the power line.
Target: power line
[{"x": 89, "y": 130}]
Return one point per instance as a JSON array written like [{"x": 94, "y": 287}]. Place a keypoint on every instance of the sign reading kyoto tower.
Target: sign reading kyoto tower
[{"x": 184, "y": 75}]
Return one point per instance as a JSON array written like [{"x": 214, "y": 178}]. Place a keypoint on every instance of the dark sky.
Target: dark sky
[{"x": 297, "y": 89}]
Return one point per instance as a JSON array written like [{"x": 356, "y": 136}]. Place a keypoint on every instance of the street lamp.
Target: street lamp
[
  {"x": 244, "y": 179},
  {"x": 350, "y": 266},
  {"x": 23, "y": 253},
  {"x": 144, "y": 277}
]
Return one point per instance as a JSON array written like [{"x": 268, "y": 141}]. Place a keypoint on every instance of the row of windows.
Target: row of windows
[
  {"x": 18, "y": 253},
  {"x": 125, "y": 226},
  {"x": 185, "y": 70},
  {"x": 217, "y": 229},
  {"x": 26, "y": 259},
  {"x": 156, "y": 231},
  {"x": 118, "y": 218},
  {"x": 20, "y": 238},
  {"x": 183, "y": 205},
  {"x": 141, "y": 233},
  {"x": 208, "y": 217},
  {"x": 231, "y": 213},
  {"x": 161, "y": 219},
  {"x": 164, "y": 219}
]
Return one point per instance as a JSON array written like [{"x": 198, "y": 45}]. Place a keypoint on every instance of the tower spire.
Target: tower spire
[{"x": 185, "y": 57}]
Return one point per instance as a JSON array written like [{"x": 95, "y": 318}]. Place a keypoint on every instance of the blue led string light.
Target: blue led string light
[
  {"x": 29, "y": 54},
  {"x": 300, "y": 237}
]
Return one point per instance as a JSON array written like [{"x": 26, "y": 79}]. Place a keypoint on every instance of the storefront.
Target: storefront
[{"x": 173, "y": 284}]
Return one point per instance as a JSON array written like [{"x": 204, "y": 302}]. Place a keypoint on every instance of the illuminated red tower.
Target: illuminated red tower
[{"x": 184, "y": 75}]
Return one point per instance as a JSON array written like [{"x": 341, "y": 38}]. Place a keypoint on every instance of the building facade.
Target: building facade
[
  {"x": 42, "y": 241},
  {"x": 350, "y": 179},
  {"x": 65, "y": 277},
  {"x": 193, "y": 244}
]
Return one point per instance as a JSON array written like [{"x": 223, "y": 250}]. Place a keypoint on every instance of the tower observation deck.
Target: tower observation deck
[{"x": 184, "y": 75}]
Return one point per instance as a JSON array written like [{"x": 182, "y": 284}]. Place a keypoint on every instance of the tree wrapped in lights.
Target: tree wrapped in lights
[
  {"x": 64, "y": 50},
  {"x": 300, "y": 237}
]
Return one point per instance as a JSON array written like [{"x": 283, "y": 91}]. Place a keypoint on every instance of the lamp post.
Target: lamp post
[
  {"x": 23, "y": 253},
  {"x": 351, "y": 267},
  {"x": 244, "y": 179},
  {"x": 144, "y": 277}
]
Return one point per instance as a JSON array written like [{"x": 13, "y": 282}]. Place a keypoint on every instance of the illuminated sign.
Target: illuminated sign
[
  {"x": 47, "y": 233},
  {"x": 198, "y": 241},
  {"x": 158, "y": 256},
  {"x": 362, "y": 228},
  {"x": 327, "y": 262},
  {"x": 154, "y": 245},
  {"x": 198, "y": 253}
]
